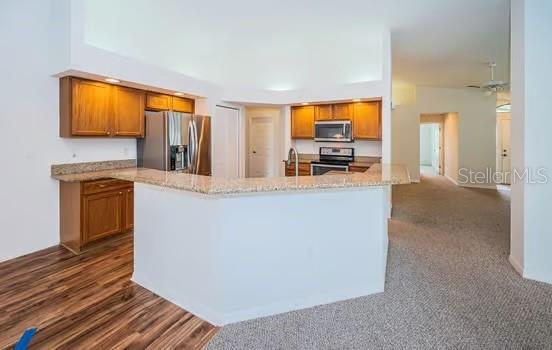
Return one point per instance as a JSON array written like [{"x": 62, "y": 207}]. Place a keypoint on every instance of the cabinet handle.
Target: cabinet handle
[
  {"x": 129, "y": 191},
  {"x": 102, "y": 185},
  {"x": 120, "y": 192},
  {"x": 109, "y": 132}
]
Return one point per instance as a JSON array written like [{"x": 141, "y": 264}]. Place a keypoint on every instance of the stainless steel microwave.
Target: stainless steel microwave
[{"x": 333, "y": 131}]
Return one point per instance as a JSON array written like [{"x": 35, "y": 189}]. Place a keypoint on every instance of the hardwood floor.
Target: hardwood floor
[{"x": 89, "y": 302}]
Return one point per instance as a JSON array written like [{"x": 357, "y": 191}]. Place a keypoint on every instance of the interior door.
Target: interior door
[
  {"x": 261, "y": 147},
  {"x": 226, "y": 150},
  {"x": 505, "y": 132}
]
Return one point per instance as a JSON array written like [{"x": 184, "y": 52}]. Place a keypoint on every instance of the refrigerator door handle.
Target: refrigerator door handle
[
  {"x": 196, "y": 147},
  {"x": 190, "y": 146}
]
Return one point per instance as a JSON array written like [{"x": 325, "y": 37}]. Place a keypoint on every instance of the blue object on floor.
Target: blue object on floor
[{"x": 23, "y": 343}]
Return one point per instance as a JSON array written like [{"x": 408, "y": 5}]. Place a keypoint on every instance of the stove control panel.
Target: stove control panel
[{"x": 337, "y": 151}]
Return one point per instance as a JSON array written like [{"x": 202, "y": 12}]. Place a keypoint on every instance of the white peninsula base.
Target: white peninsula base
[{"x": 233, "y": 258}]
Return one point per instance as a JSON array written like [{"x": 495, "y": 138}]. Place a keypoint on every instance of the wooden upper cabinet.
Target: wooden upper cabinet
[
  {"x": 87, "y": 105},
  {"x": 323, "y": 112},
  {"x": 367, "y": 120},
  {"x": 162, "y": 102},
  {"x": 102, "y": 215},
  {"x": 183, "y": 105},
  {"x": 302, "y": 122},
  {"x": 158, "y": 102},
  {"x": 129, "y": 112},
  {"x": 343, "y": 111},
  {"x": 91, "y": 108}
]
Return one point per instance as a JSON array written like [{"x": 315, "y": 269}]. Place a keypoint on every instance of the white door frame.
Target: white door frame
[{"x": 438, "y": 119}]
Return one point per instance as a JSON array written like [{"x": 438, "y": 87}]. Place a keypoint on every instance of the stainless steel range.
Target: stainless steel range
[{"x": 333, "y": 158}]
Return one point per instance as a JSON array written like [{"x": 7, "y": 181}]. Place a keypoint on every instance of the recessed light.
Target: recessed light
[
  {"x": 112, "y": 80},
  {"x": 356, "y": 100},
  {"x": 179, "y": 94},
  {"x": 305, "y": 103}
]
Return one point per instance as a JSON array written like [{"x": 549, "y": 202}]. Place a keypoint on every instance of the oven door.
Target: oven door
[
  {"x": 321, "y": 169},
  {"x": 333, "y": 131}
]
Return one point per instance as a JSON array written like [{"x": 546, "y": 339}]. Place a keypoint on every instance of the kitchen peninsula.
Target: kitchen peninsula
[{"x": 229, "y": 250}]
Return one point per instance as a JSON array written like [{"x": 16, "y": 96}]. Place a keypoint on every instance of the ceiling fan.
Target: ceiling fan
[{"x": 491, "y": 86}]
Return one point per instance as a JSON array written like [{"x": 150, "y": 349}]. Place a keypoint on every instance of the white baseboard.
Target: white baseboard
[
  {"x": 483, "y": 186},
  {"x": 451, "y": 180},
  {"x": 517, "y": 266}
]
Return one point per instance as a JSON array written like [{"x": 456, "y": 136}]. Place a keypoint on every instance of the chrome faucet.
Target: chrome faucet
[{"x": 291, "y": 151}]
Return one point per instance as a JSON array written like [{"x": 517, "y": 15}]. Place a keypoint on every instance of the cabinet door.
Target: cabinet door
[
  {"x": 367, "y": 120},
  {"x": 182, "y": 105},
  {"x": 90, "y": 110},
  {"x": 343, "y": 111},
  {"x": 302, "y": 122},
  {"x": 323, "y": 112},
  {"x": 102, "y": 215},
  {"x": 129, "y": 112},
  {"x": 304, "y": 169},
  {"x": 158, "y": 102},
  {"x": 129, "y": 209}
]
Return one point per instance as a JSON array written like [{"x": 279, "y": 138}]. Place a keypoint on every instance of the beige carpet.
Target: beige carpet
[{"x": 449, "y": 286}]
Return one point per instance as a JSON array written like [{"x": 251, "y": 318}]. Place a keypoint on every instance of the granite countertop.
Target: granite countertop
[
  {"x": 76, "y": 172},
  {"x": 377, "y": 175}
]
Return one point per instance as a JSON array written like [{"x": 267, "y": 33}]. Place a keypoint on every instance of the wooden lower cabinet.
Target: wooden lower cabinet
[
  {"x": 304, "y": 169},
  {"x": 94, "y": 210},
  {"x": 129, "y": 210},
  {"x": 357, "y": 169},
  {"x": 102, "y": 215}
]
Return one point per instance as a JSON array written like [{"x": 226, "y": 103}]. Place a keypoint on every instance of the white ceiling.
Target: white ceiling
[{"x": 284, "y": 44}]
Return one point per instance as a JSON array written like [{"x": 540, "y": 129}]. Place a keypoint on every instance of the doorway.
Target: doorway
[
  {"x": 431, "y": 149},
  {"x": 226, "y": 143},
  {"x": 503, "y": 144}
]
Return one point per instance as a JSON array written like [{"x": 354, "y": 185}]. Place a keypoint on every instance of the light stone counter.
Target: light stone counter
[
  {"x": 227, "y": 257},
  {"x": 377, "y": 175}
]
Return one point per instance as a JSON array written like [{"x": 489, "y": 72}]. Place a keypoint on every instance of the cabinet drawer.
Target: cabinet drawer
[
  {"x": 357, "y": 169},
  {"x": 104, "y": 185}
]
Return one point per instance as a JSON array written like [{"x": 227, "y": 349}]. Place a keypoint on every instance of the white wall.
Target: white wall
[
  {"x": 427, "y": 140},
  {"x": 531, "y": 232},
  {"x": 477, "y": 127},
  {"x": 29, "y": 120},
  {"x": 48, "y": 37},
  {"x": 451, "y": 146}
]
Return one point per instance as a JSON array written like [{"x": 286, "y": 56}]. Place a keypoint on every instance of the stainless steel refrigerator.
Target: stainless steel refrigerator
[{"x": 176, "y": 142}]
